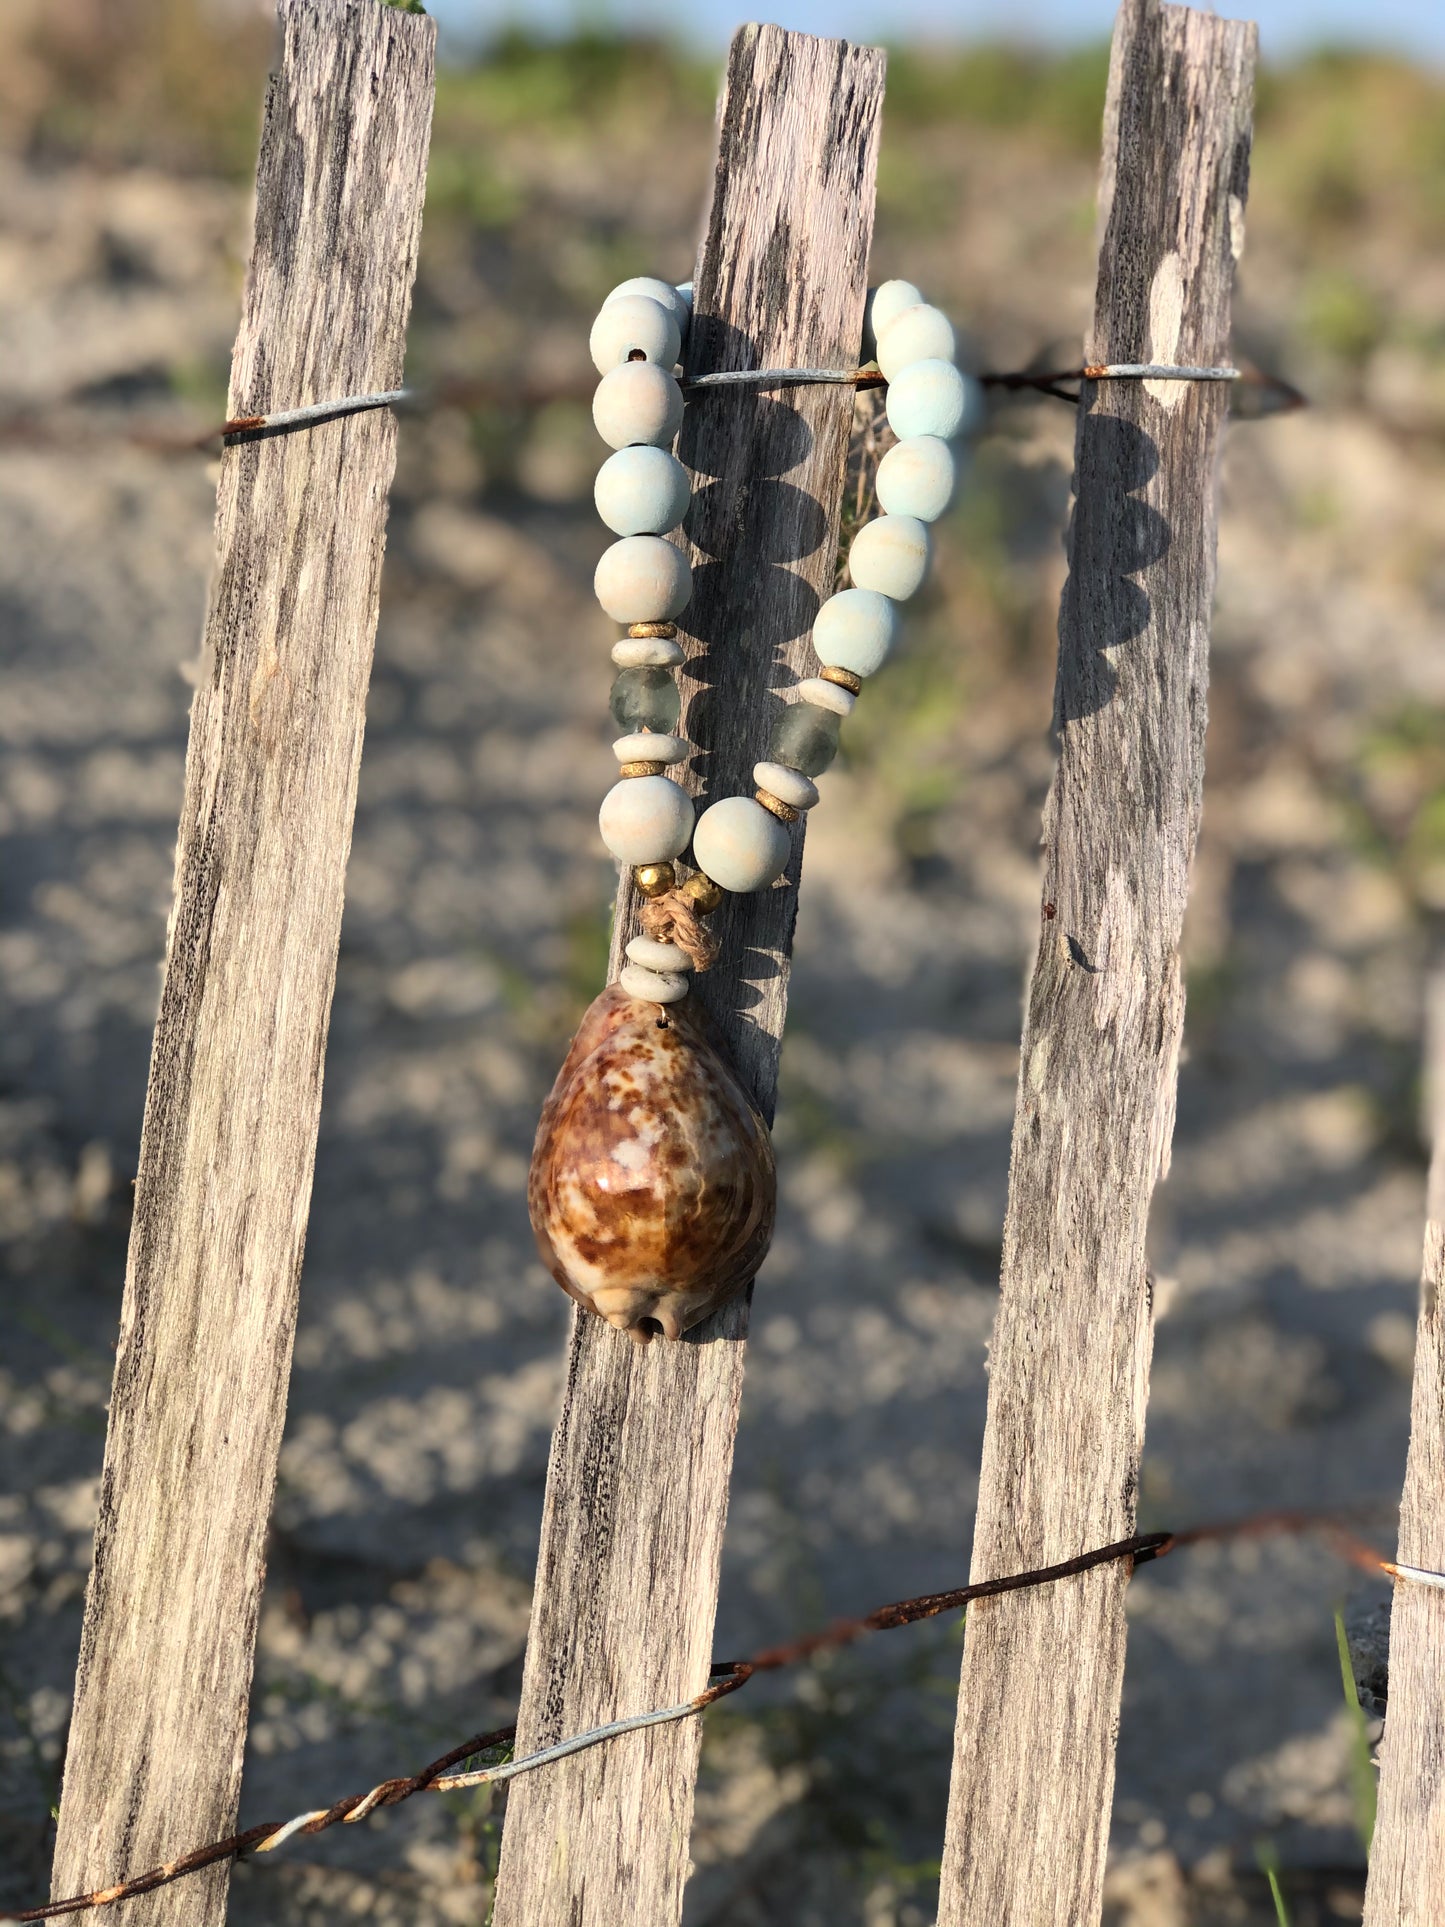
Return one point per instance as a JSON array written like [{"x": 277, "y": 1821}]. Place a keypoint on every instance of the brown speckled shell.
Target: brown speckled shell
[{"x": 652, "y": 1189}]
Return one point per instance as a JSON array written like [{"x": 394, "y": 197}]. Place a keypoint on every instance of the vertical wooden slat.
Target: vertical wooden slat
[
  {"x": 1042, "y": 1671},
  {"x": 1406, "y": 1886},
  {"x": 638, "y": 1480},
  {"x": 154, "y": 1757}
]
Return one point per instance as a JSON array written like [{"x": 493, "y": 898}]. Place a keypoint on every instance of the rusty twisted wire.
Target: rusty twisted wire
[
  {"x": 726, "y": 1676},
  {"x": 1261, "y": 394}
]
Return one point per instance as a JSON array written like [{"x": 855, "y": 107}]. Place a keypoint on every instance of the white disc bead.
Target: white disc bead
[
  {"x": 890, "y": 555},
  {"x": 642, "y": 491},
  {"x": 653, "y": 955},
  {"x": 885, "y": 304},
  {"x": 637, "y": 403},
  {"x": 647, "y": 746},
  {"x": 823, "y": 694},
  {"x": 650, "y": 986},
  {"x": 854, "y": 630},
  {"x": 645, "y": 819},
  {"x": 643, "y": 578},
  {"x": 741, "y": 845},
  {"x": 634, "y": 327},
  {"x": 928, "y": 398},
  {"x": 790, "y": 786},
  {"x": 647, "y": 652},
  {"x": 916, "y": 478},
  {"x": 918, "y": 334},
  {"x": 656, "y": 289}
]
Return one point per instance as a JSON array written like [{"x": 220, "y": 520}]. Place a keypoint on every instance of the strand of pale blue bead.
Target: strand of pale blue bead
[{"x": 642, "y": 494}]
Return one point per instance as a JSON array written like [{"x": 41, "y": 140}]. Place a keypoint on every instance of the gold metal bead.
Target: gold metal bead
[
  {"x": 664, "y": 629},
  {"x": 703, "y": 893},
  {"x": 654, "y": 879},
  {"x": 641, "y": 769},
  {"x": 844, "y": 678},
  {"x": 783, "y": 811}
]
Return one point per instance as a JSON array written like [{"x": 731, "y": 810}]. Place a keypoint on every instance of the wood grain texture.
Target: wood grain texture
[
  {"x": 1042, "y": 1671},
  {"x": 154, "y": 1760},
  {"x": 638, "y": 1480},
  {"x": 1406, "y": 1886}
]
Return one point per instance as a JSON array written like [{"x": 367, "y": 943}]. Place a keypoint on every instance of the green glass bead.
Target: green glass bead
[
  {"x": 646, "y": 698},
  {"x": 805, "y": 738}
]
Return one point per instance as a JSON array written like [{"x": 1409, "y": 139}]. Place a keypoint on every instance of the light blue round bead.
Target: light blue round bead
[
  {"x": 634, "y": 327},
  {"x": 890, "y": 554},
  {"x": 659, "y": 290},
  {"x": 916, "y": 477},
  {"x": 918, "y": 334},
  {"x": 854, "y": 630},
  {"x": 885, "y": 304},
  {"x": 643, "y": 578},
  {"x": 646, "y": 819},
  {"x": 642, "y": 491},
  {"x": 741, "y": 845},
  {"x": 928, "y": 398}
]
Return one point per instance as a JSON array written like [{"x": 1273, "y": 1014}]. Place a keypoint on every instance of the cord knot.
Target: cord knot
[{"x": 673, "y": 918}]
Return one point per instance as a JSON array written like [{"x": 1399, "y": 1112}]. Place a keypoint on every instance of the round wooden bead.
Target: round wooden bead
[
  {"x": 656, "y": 289},
  {"x": 740, "y": 845},
  {"x": 854, "y": 630},
  {"x": 651, "y": 986},
  {"x": 637, "y": 403},
  {"x": 642, "y": 578},
  {"x": 645, "y": 819},
  {"x": 642, "y": 491},
  {"x": 918, "y": 334},
  {"x": 890, "y": 555},
  {"x": 927, "y": 398},
  {"x": 634, "y": 327},
  {"x": 647, "y": 652},
  {"x": 916, "y": 478},
  {"x": 653, "y": 955},
  {"x": 885, "y": 304},
  {"x": 650, "y": 746},
  {"x": 790, "y": 786}
]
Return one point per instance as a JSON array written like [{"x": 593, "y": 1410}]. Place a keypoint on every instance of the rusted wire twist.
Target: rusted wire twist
[{"x": 726, "y": 1676}]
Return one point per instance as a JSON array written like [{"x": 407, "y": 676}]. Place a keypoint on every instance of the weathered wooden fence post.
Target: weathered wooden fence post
[
  {"x": 638, "y": 1481},
  {"x": 1406, "y": 1886},
  {"x": 1042, "y": 1671},
  {"x": 224, "y": 1185}
]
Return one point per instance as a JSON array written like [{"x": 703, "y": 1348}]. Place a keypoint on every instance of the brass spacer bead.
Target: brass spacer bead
[
  {"x": 641, "y": 769},
  {"x": 783, "y": 811},
  {"x": 654, "y": 879},
  {"x": 665, "y": 629},
  {"x": 844, "y": 678},
  {"x": 703, "y": 894}
]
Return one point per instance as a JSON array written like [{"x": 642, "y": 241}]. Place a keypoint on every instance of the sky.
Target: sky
[{"x": 1287, "y": 27}]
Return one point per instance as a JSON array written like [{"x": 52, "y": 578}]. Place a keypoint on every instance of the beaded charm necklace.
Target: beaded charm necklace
[{"x": 652, "y": 1187}]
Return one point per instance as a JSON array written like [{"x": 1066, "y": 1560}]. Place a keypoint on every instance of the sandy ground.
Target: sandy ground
[{"x": 1286, "y": 1243}]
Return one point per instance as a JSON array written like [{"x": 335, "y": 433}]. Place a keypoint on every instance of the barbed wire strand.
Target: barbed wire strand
[
  {"x": 240, "y": 427},
  {"x": 280, "y": 420},
  {"x": 1272, "y": 395},
  {"x": 726, "y": 1676}
]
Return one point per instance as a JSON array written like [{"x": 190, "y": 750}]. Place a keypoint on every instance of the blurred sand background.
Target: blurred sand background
[{"x": 1286, "y": 1243}]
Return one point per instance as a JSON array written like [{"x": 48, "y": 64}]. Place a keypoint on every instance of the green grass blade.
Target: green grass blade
[
  {"x": 1362, "y": 1772},
  {"x": 1268, "y": 1862}
]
